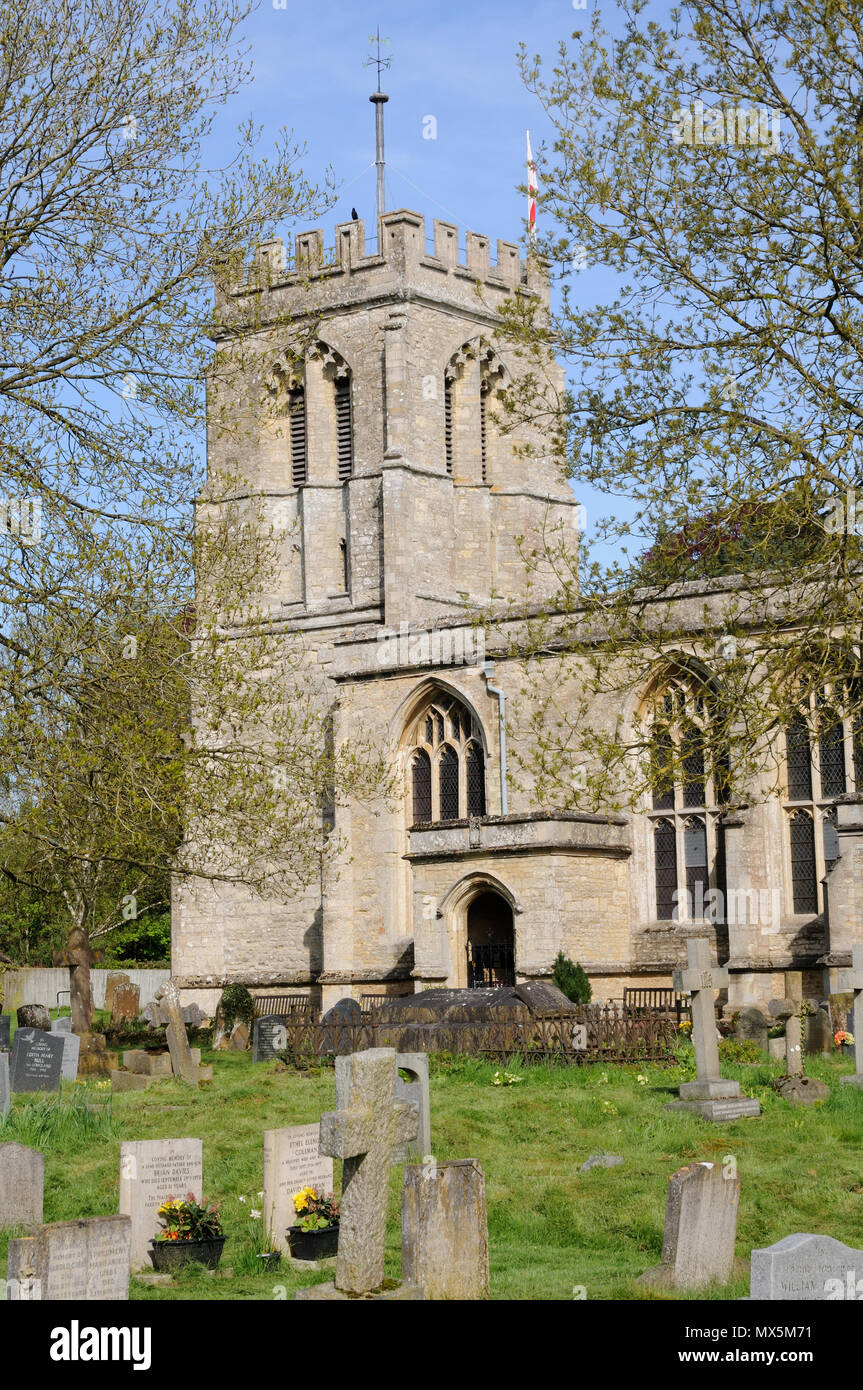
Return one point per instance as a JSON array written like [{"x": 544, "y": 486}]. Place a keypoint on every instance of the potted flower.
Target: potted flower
[
  {"x": 315, "y": 1236},
  {"x": 843, "y": 1040},
  {"x": 191, "y": 1234}
]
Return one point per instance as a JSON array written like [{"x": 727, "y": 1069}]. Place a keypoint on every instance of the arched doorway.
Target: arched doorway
[{"x": 490, "y": 942}]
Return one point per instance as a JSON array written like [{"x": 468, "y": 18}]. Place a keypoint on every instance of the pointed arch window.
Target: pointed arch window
[
  {"x": 687, "y": 774},
  {"x": 447, "y": 763}
]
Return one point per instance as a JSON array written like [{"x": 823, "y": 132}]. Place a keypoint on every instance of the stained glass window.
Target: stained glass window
[
  {"x": 665, "y": 858},
  {"x": 663, "y": 788},
  {"x": 695, "y": 861},
  {"x": 692, "y": 752},
  {"x": 798, "y": 758},
  {"x": 831, "y": 748}
]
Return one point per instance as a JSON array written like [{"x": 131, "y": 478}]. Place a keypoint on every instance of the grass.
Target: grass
[{"x": 550, "y": 1227}]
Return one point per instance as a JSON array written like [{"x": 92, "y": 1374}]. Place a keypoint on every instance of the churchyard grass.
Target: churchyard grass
[{"x": 551, "y": 1228}]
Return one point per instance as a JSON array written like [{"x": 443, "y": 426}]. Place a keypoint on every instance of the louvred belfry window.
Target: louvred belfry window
[
  {"x": 344, "y": 428},
  {"x": 297, "y": 418},
  {"x": 447, "y": 764}
]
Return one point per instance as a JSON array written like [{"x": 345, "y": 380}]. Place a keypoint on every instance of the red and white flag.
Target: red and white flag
[{"x": 531, "y": 191}]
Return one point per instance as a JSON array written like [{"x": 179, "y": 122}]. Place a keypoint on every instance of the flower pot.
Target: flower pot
[
  {"x": 313, "y": 1245},
  {"x": 168, "y": 1255}
]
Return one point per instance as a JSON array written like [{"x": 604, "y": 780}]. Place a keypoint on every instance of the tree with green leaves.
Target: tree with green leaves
[{"x": 712, "y": 168}]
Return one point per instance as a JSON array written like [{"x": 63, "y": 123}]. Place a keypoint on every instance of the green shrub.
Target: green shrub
[
  {"x": 235, "y": 1004},
  {"x": 146, "y": 941},
  {"x": 740, "y": 1050},
  {"x": 571, "y": 980}
]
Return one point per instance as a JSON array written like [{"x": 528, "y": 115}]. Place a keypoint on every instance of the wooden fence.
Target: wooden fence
[{"x": 596, "y": 1033}]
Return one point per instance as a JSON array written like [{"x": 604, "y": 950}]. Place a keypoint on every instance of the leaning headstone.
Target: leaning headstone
[
  {"x": 268, "y": 1038},
  {"x": 339, "y": 1023},
  {"x": 168, "y": 997},
  {"x": 808, "y": 1268},
  {"x": 708, "y": 1096},
  {"x": 37, "y": 1060},
  {"x": 700, "y": 1228},
  {"x": 73, "y": 1260},
  {"x": 5, "y": 1029},
  {"x": 364, "y": 1136},
  {"x": 445, "y": 1229},
  {"x": 193, "y": 1016},
  {"x": 852, "y": 982},
  {"x": 22, "y": 1185},
  {"x": 69, "y": 1060},
  {"x": 34, "y": 1016},
  {"x": 61, "y": 1025},
  {"x": 150, "y": 1171},
  {"x": 414, "y": 1089},
  {"x": 5, "y": 1091},
  {"x": 126, "y": 1003},
  {"x": 292, "y": 1161},
  {"x": 115, "y": 978},
  {"x": 819, "y": 1034}
]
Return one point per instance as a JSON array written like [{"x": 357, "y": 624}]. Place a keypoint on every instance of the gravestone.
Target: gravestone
[
  {"x": 292, "y": 1160},
  {"x": 126, "y": 1003},
  {"x": 414, "y": 1090},
  {"x": 37, "y": 1060},
  {"x": 34, "y": 1016},
  {"x": 339, "y": 1023},
  {"x": 445, "y": 1229},
  {"x": 182, "y": 1062},
  {"x": 5, "y": 1091},
  {"x": 115, "y": 978},
  {"x": 69, "y": 1060},
  {"x": 819, "y": 1034},
  {"x": 752, "y": 1026},
  {"x": 852, "y": 982},
  {"x": 806, "y": 1267},
  {"x": 709, "y": 1096},
  {"x": 150, "y": 1171},
  {"x": 700, "y": 1228},
  {"x": 73, "y": 1261},
  {"x": 5, "y": 1029},
  {"x": 145, "y": 1063},
  {"x": 364, "y": 1136},
  {"x": 22, "y": 1185},
  {"x": 268, "y": 1038},
  {"x": 61, "y": 1025}
]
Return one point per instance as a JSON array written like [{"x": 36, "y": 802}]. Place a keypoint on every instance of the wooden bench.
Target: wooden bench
[
  {"x": 658, "y": 1000},
  {"x": 281, "y": 1005}
]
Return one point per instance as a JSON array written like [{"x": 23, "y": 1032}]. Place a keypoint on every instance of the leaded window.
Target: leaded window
[
  {"x": 447, "y": 764},
  {"x": 804, "y": 881},
  {"x": 687, "y": 775}
]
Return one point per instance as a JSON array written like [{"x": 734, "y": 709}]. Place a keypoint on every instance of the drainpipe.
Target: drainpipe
[{"x": 488, "y": 672}]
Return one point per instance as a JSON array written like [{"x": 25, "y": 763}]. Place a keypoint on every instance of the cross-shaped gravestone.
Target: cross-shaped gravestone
[
  {"x": 700, "y": 979},
  {"x": 363, "y": 1136},
  {"x": 852, "y": 981}
]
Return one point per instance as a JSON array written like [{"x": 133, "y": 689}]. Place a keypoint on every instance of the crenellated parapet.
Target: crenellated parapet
[{"x": 403, "y": 257}]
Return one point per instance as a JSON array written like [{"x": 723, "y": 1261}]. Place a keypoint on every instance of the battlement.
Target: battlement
[{"x": 402, "y": 251}]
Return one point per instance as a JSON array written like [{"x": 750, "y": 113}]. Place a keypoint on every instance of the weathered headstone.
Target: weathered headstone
[
  {"x": 340, "y": 1023},
  {"x": 819, "y": 1034},
  {"x": 5, "y": 1029},
  {"x": 115, "y": 978},
  {"x": 69, "y": 1060},
  {"x": 182, "y": 1061},
  {"x": 709, "y": 1096},
  {"x": 752, "y": 1026},
  {"x": 808, "y": 1268},
  {"x": 72, "y": 1261},
  {"x": 292, "y": 1161},
  {"x": 852, "y": 981},
  {"x": 145, "y": 1063},
  {"x": 22, "y": 1185},
  {"x": 150, "y": 1171},
  {"x": 37, "y": 1060},
  {"x": 364, "y": 1136},
  {"x": 414, "y": 1090},
  {"x": 700, "y": 1227},
  {"x": 61, "y": 1025},
  {"x": 5, "y": 1091},
  {"x": 127, "y": 1000},
  {"x": 793, "y": 1045},
  {"x": 34, "y": 1016},
  {"x": 268, "y": 1038},
  {"x": 445, "y": 1229}
]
